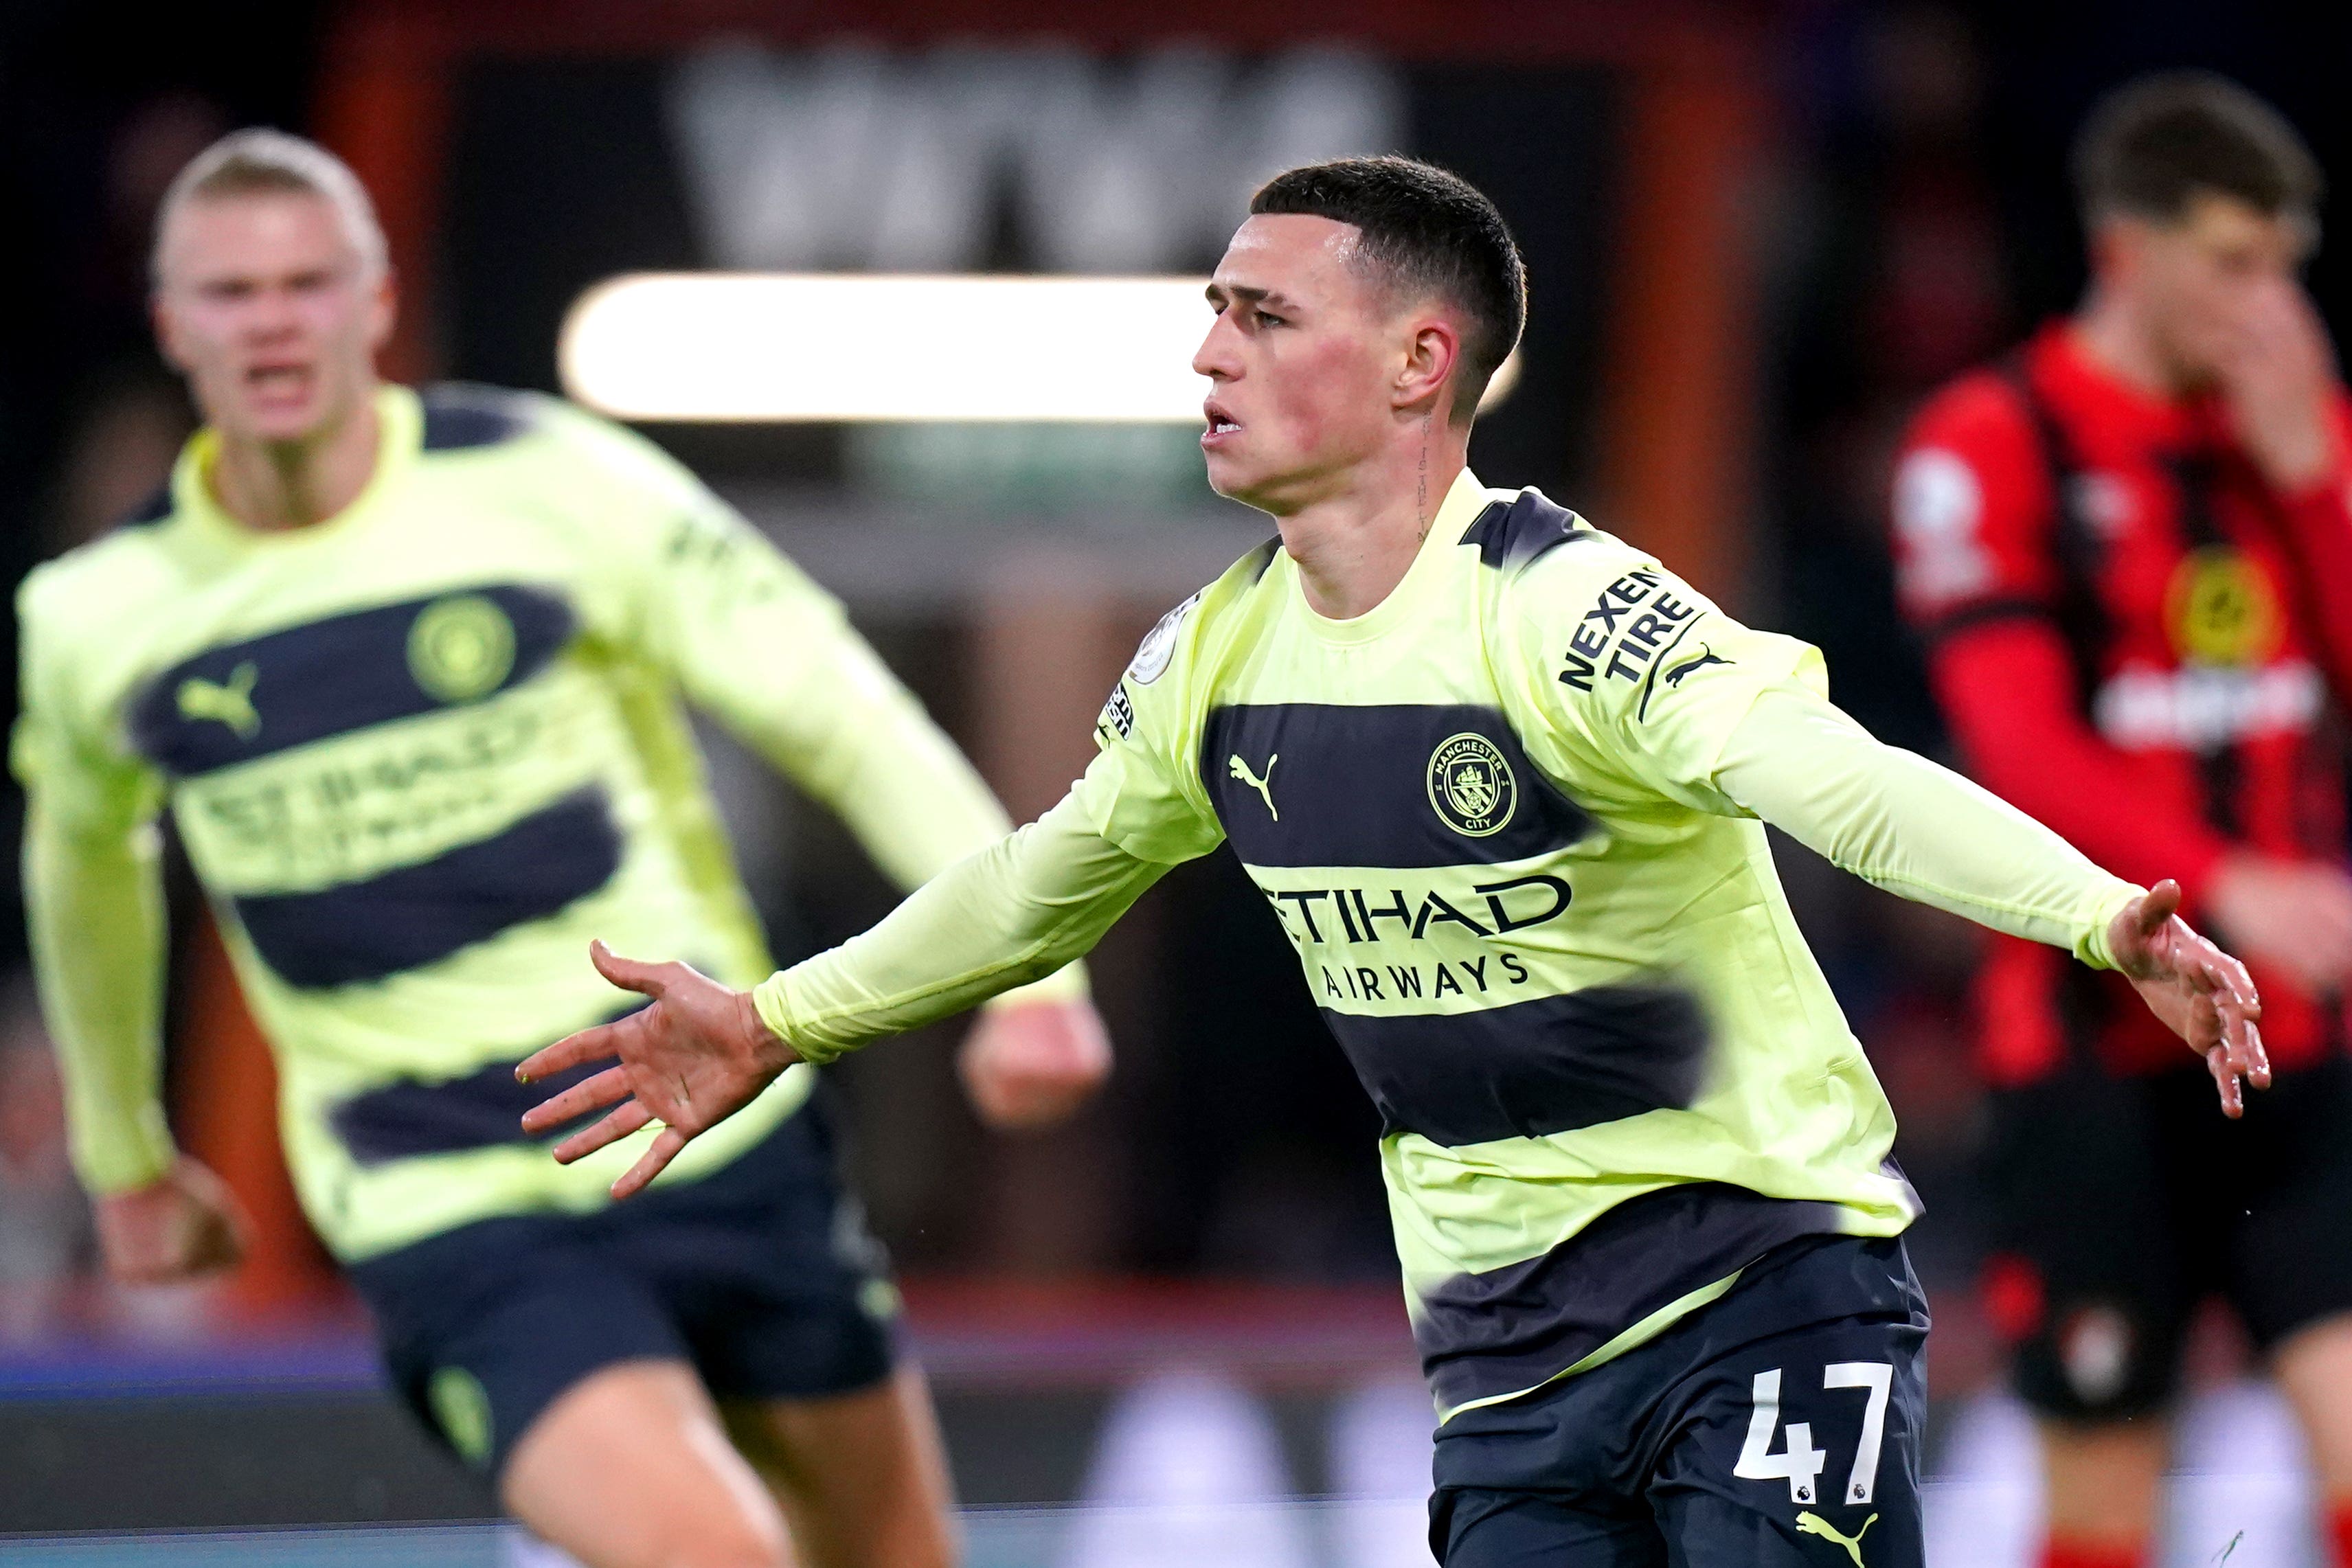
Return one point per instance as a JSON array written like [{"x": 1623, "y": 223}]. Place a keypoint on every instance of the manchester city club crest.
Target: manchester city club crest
[
  {"x": 1471, "y": 785},
  {"x": 461, "y": 648}
]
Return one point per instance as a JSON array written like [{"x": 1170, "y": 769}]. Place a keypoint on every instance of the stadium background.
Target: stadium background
[{"x": 1757, "y": 234}]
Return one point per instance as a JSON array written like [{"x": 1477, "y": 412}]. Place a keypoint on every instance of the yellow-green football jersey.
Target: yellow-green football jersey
[
  {"x": 1612, "y": 1075},
  {"x": 419, "y": 754}
]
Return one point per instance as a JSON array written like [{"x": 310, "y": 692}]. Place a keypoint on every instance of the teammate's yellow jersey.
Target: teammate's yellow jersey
[
  {"x": 1509, "y": 820},
  {"x": 419, "y": 754}
]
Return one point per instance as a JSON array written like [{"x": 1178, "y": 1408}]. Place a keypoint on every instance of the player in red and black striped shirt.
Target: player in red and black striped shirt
[{"x": 2130, "y": 548}]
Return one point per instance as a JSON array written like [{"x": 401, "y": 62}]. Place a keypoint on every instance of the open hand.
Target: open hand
[
  {"x": 184, "y": 1225},
  {"x": 2203, "y": 994},
  {"x": 694, "y": 1057},
  {"x": 1028, "y": 1065}
]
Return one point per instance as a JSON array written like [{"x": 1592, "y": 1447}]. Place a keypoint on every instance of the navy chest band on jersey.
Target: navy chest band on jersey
[
  {"x": 1318, "y": 784},
  {"x": 1525, "y": 1069},
  {"x": 483, "y": 1109},
  {"x": 407, "y": 918},
  {"x": 343, "y": 673}
]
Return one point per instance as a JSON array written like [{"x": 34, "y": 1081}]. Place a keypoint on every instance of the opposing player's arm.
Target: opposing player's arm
[
  {"x": 94, "y": 901},
  {"x": 1978, "y": 562},
  {"x": 1730, "y": 720},
  {"x": 2318, "y": 515},
  {"x": 1033, "y": 902},
  {"x": 1978, "y": 573}
]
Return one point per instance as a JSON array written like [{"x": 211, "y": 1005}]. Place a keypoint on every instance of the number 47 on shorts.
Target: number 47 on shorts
[{"x": 1799, "y": 1463}]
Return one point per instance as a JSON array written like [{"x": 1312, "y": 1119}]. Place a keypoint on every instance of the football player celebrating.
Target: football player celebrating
[
  {"x": 2130, "y": 549},
  {"x": 1499, "y": 775},
  {"x": 407, "y": 670}
]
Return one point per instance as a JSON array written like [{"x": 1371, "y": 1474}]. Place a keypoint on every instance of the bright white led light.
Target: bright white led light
[
  {"x": 886, "y": 346},
  {"x": 755, "y": 346}
]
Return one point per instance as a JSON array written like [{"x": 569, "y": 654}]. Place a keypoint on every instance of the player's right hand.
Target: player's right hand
[
  {"x": 184, "y": 1225},
  {"x": 2278, "y": 379},
  {"x": 694, "y": 1057},
  {"x": 2203, "y": 994},
  {"x": 1032, "y": 1063},
  {"x": 2295, "y": 916}
]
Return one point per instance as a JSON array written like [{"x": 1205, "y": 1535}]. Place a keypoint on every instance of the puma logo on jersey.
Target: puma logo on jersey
[
  {"x": 1707, "y": 656},
  {"x": 231, "y": 705},
  {"x": 1240, "y": 770},
  {"x": 1811, "y": 1523}
]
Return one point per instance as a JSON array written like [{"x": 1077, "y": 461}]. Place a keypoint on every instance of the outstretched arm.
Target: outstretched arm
[
  {"x": 1913, "y": 827},
  {"x": 1014, "y": 912}
]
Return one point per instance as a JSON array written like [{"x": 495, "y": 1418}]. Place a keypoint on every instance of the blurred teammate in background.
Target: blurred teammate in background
[
  {"x": 1497, "y": 774},
  {"x": 2130, "y": 546},
  {"x": 409, "y": 671}
]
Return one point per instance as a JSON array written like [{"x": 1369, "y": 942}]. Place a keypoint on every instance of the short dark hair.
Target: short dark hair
[
  {"x": 2152, "y": 146},
  {"x": 1429, "y": 229}
]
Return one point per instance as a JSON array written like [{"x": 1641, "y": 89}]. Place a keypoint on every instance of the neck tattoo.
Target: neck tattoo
[{"x": 1421, "y": 486}]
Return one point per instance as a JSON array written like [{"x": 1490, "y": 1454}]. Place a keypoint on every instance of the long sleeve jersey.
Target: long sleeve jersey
[
  {"x": 2136, "y": 640},
  {"x": 1508, "y": 821},
  {"x": 419, "y": 754}
]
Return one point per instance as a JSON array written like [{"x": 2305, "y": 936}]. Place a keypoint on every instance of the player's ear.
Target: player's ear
[
  {"x": 2115, "y": 243},
  {"x": 167, "y": 331},
  {"x": 382, "y": 309},
  {"x": 1431, "y": 354}
]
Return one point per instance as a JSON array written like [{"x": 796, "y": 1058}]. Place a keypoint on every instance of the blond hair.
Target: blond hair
[{"x": 261, "y": 161}]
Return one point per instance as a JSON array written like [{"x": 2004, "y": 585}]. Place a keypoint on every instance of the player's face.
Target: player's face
[
  {"x": 266, "y": 306},
  {"x": 1302, "y": 355},
  {"x": 2196, "y": 278}
]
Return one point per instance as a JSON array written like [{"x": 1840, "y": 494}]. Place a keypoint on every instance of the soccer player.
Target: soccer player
[
  {"x": 1499, "y": 775},
  {"x": 2129, "y": 546},
  {"x": 408, "y": 671}
]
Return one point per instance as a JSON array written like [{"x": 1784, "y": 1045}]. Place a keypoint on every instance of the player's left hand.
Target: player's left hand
[
  {"x": 1029, "y": 1064},
  {"x": 2203, "y": 994},
  {"x": 184, "y": 1225},
  {"x": 694, "y": 1057}
]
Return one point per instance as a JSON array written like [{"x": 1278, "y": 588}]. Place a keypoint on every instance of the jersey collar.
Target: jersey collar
[
  {"x": 1464, "y": 501},
  {"x": 2142, "y": 420},
  {"x": 400, "y": 423}
]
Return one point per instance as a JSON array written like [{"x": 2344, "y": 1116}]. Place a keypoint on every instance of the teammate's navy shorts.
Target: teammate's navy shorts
[
  {"x": 761, "y": 1275},
  {"x": 2120, "y": 1204},
  {"x": 1773, "y": 1428}
]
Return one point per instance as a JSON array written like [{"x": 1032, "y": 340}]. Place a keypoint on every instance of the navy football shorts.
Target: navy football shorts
[
  {"x": 1779, "y": 1426},
  {"x": 761, "y": 1275}
]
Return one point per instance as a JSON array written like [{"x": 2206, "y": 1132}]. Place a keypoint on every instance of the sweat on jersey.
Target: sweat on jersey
[
  {"x": 1508, "y": 821},
  {"x": 419, "y": 754}
]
